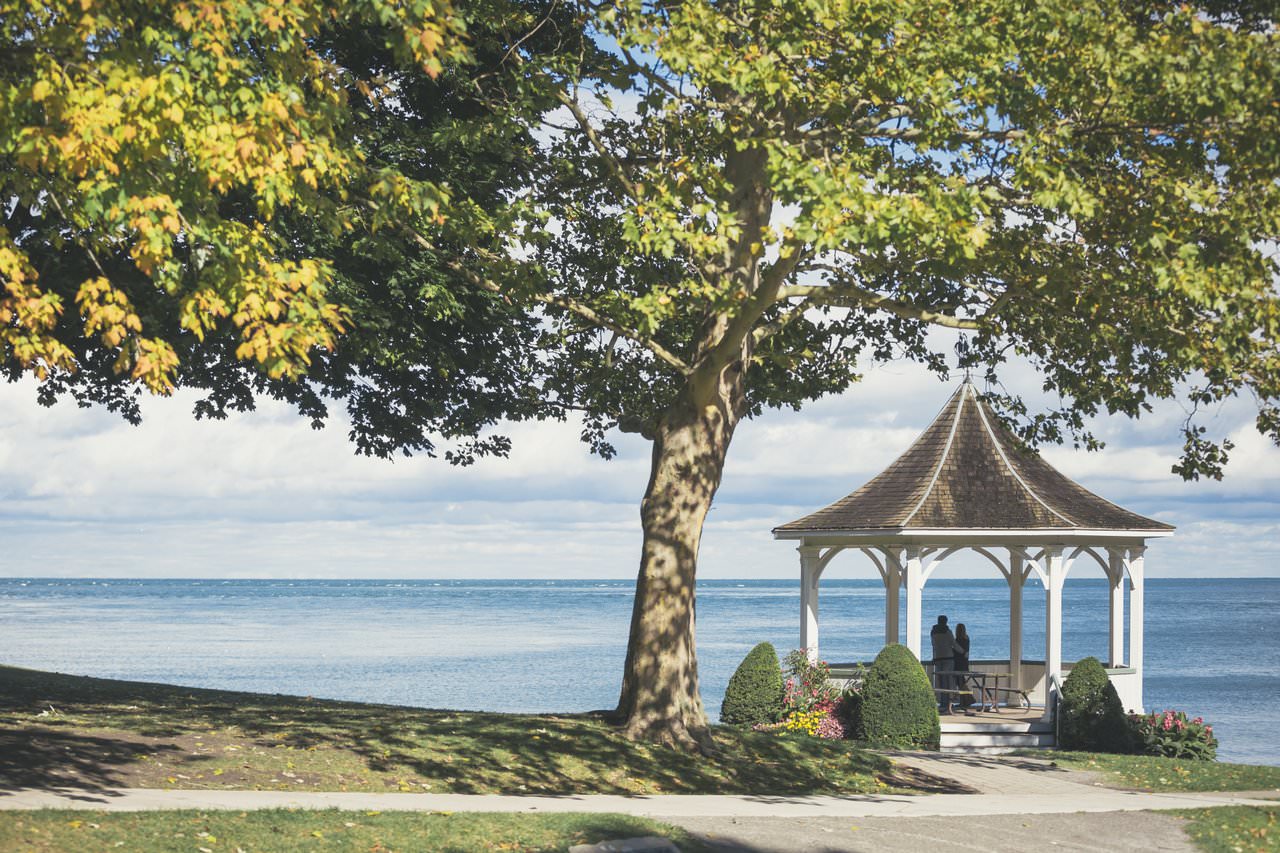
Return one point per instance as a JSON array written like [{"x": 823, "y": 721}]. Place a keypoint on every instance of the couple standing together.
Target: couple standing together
[{"x": 950, "y": 654}]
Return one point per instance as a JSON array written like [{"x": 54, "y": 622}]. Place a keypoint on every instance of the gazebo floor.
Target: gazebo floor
[{"x": 1020, "y": 716}]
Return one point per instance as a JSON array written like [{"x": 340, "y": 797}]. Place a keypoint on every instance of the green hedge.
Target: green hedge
[
  {"x": 1091, "y": 716},
  {"x": 754, "y": 694},
  {"x": 898, "y": 707}
]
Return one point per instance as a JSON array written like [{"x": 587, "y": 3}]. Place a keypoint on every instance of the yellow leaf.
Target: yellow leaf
[{"x": 40, "y": 90}]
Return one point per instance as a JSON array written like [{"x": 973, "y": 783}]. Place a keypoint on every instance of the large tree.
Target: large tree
[
  {"x": 751, "y": 199},
  {"x": 769, "y": 193}
]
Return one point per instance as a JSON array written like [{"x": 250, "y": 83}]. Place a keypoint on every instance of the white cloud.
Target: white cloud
[{"x": 263, "y": 494}]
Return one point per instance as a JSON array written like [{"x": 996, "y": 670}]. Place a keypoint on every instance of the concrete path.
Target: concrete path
[
  {"x": 670, "y": 807},
  {"x": 1087, "y": 832},
  {"x": 1024, "y": 804},
  {"x": 1012, "y": 775},
  {"x": 1015, "y": 804},
  {"x": 132, "y": 799}
]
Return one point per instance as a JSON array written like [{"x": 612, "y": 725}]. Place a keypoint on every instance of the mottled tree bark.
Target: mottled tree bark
[{"x": 660, "y": 700}]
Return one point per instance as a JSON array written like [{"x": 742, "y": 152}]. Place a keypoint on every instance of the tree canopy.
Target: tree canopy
[
  {"x": 149, "y": 150},
  {"x": 267, "y": 236},
  {"x": 1093, "y": 192}
]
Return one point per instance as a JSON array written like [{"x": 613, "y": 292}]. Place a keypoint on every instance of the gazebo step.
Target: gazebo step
[
  {"x": 987, "y": 750},
  {"x": 1013, "y": 727},
  {"x": 994, "y": 742}
]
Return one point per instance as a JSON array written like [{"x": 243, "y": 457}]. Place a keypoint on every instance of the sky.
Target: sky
[{"x": 84, "y": 494}]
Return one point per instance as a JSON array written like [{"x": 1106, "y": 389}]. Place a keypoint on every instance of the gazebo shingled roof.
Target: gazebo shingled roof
[{"x": 967, "y": 471}]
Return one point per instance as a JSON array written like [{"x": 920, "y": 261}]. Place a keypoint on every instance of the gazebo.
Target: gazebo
[{"x": 968, "y": 483}]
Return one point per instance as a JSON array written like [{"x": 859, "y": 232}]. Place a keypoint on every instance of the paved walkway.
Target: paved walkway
[
  {"x": 998, "y": 786},
  {"x": 662, "y": 806}
]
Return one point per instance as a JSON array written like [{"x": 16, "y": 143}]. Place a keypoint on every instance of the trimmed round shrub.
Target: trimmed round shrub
[
  {"x": 1091, "y": 716},
  {"x": 754, "y": 694},
  {"x": 898, "y": 707}
]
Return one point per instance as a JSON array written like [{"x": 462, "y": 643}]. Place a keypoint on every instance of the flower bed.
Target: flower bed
[
  {"x": 1171, "y": 734},
  {"x": 812, "y": 706}
]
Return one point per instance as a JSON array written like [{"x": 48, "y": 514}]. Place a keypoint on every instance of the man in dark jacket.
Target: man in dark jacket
[{"x": 944, "y": 650}]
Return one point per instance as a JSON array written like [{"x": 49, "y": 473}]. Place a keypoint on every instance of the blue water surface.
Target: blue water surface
[{"x": 1212, "y": 646}]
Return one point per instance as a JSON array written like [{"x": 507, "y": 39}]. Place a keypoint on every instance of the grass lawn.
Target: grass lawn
[
  {"x": 1151, "y": 773},
  {"x": 1235, "y": 829},
  {"x": 287, "y": 830},
  {"x": 59, "y": 730}
]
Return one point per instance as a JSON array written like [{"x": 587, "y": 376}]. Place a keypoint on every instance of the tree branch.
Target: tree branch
[
  {"x": 772, "y": 281},
  {"x": 586, "y": 312},
  {"x": 566, "y": 303},
  {"x": 616, "y": 167},
  {"x": 850, "y": 295}
]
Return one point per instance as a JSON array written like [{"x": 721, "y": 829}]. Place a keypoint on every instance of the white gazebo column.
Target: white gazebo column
[
  {"x": 1017, "y": 578},
  {"x": 810, "y": 571},
  {"x": 892, "y": 585},
  {"x": 1055, "y": 576},
  {"x": 1115, "y": 574},
  {"x": 913, "y": 579},
  {"x": 1136, "y": 581}
]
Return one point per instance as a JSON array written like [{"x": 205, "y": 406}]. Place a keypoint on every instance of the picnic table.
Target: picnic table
[{"x": 988, "y": 686}]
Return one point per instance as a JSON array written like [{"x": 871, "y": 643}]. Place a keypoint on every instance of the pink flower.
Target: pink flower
[{"x": 830, "y": 727}]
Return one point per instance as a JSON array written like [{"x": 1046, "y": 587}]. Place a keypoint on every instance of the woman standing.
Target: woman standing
[{"x": 962, "y": 662}]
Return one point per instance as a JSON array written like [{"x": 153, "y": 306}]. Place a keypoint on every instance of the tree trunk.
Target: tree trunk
[{"x": 660, "y": 701}]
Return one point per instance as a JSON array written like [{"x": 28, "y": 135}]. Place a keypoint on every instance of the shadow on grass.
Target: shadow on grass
[
  {"x": 468, "y": 752},
  {"x": 50, "y": 759}
]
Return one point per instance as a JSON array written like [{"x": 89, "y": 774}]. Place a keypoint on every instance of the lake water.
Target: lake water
[{"x": 1212, "y": 646}]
